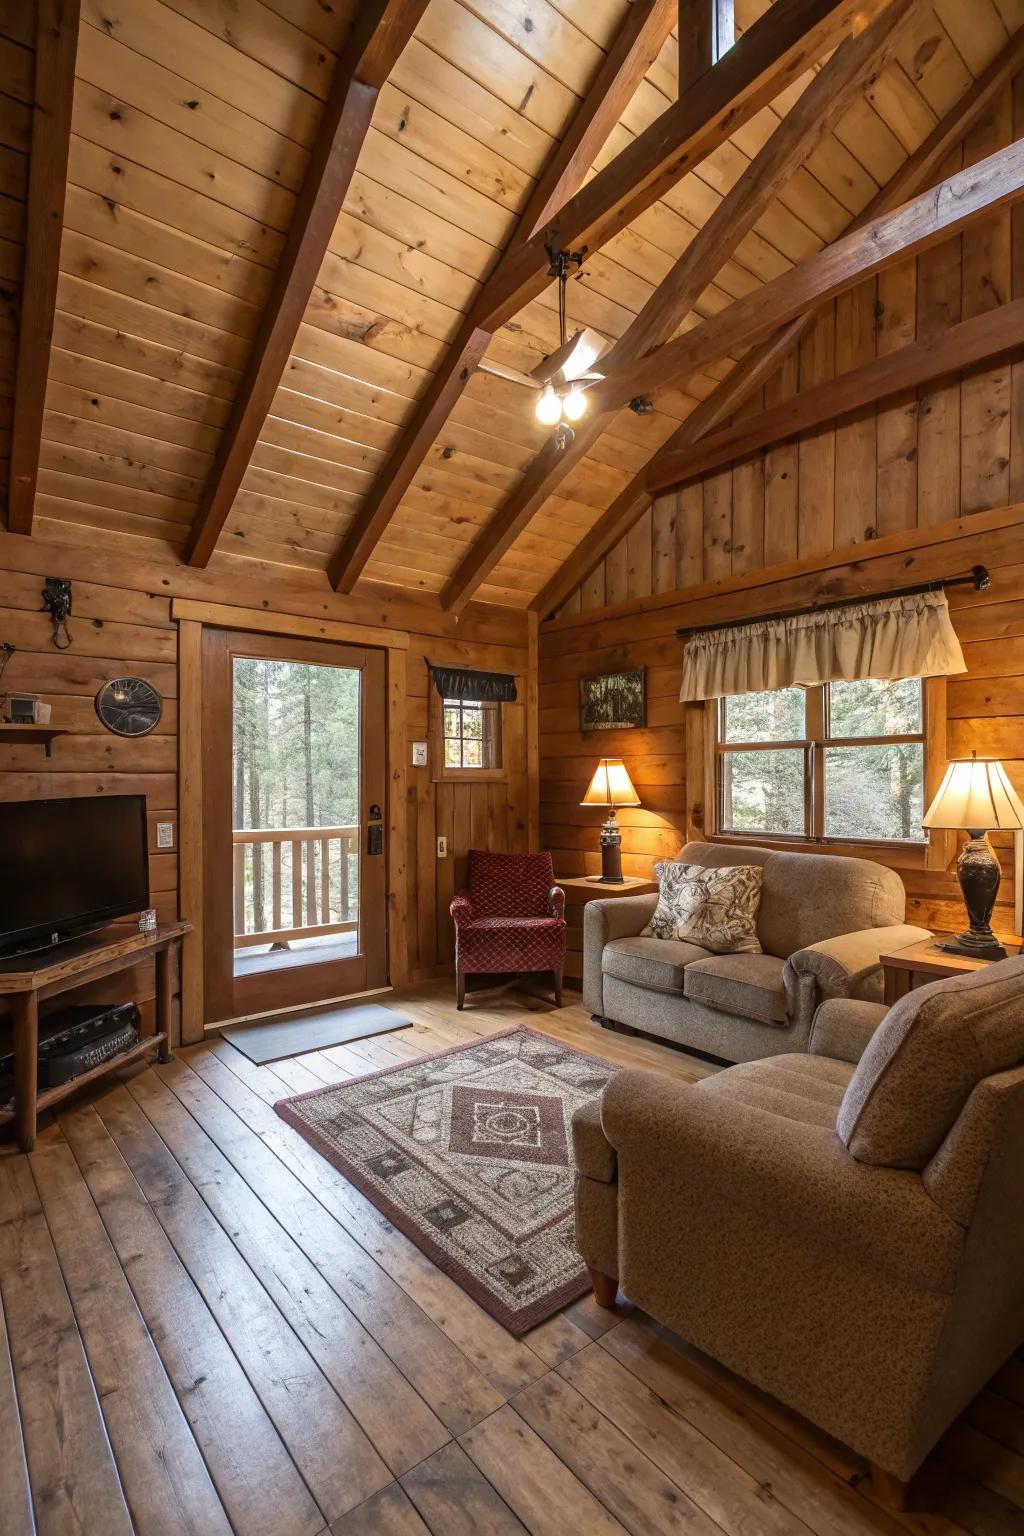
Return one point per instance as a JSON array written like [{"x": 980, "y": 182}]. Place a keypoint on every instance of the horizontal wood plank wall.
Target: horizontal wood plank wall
[
  {"x": 121, "y": 623},
  {"x": 950, "y": 447},
  {"x": 985, "y": 707}
]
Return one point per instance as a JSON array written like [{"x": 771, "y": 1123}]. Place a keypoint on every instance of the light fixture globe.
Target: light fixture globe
[
  {"x": 549, "y": 407},
  {"x": 574, "y": 405}
]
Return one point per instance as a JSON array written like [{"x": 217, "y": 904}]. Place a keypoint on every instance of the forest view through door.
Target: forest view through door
[{"x": 295, "y": 813}]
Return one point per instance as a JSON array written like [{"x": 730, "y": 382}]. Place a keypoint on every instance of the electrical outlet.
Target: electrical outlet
[
  {"x": 442, "y": 847},
  {"x": 419, "y": 754},
  {"x": 165, "y": 834}
]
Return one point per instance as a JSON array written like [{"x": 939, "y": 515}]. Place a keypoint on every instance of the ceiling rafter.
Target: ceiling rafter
[
  {"x": 623, "y": 68},
  {"x": 959, "y": 346},
  {"x": 382, "y": 29},
  {"x": 918, "y": 172},
  {"x": 780, "y": 46},
  {"x": 56, "y": 50},
  {"x": 830, "y": 92}
]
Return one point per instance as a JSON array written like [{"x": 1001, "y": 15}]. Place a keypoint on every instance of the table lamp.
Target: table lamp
[
  {"x": 977, "y": 796},
  {"x": 611, "y": 787}
]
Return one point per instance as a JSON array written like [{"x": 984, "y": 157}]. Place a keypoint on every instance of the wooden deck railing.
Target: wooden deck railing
[{"x": 309, "y": 891}]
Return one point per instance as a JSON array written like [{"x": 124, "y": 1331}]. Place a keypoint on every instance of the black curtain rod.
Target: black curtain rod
[{"x": 978, "y": 578}]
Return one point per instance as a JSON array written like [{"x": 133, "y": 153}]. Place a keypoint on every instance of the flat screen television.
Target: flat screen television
[{"x": 69, "y": 866}]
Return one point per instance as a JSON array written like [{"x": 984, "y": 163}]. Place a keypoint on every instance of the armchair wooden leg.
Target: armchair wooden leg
[
  {"x": 558, "y": 975},
  {"x": 460, "y": 989},
  {"x": 605, "y": 1287},
  {"x": 888, "y": 1488}
]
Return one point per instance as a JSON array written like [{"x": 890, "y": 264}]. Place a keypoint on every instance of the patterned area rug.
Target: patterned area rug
[{"x": 469, "y": 1153}]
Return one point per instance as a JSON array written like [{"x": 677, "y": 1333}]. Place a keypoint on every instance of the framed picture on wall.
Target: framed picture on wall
[{"x": 613, "y": 701}]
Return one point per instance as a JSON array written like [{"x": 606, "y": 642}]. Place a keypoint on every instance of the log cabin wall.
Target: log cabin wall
[
  {"x": 17, "y": 34},
  {"x": 950, "y": 448},
  {"x": 985, "y": 708},
  {"x": 121, "y": 624}
]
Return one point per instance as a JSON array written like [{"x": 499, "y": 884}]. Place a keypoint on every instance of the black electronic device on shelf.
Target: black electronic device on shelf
[{"x": 74, "y": 1040}]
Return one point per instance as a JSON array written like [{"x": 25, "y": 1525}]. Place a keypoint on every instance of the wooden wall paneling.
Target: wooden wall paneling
[
  {"x": 748, "y": 500},
  {"x": 985, "y": 393},
  {"x": 717, "y": 524},
  {"x": 398, "y": 844},
  {"x": 532, "y": 728},
  {"x": 190, "y": 826},
  {"x": 940, "y": 305},
  {"x": 897, "y": 418},
  {"x": 856, "y": 447},
  {"x": 816, "y": 457},
  {"x": 663, "y": 542},
  {"x": 781, "y": 476}
]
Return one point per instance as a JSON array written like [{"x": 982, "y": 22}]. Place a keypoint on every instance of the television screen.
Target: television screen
[{"x": 69, "y": 865}]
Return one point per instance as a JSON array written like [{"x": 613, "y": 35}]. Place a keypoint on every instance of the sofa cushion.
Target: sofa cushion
[
  {"x": 657, "y": 964},
  {"x": 923, "y": 1061},
  {"x": 713, "y": 907},
  {"x": 748, "y": 985},
  {"x": 807, "y": 1089},
  {"x": 807, "y": 897}
]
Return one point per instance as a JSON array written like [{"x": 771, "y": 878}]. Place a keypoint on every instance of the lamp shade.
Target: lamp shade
[
  {"x": 611, "y": 785},
  {"x": 976, "y": 794}
]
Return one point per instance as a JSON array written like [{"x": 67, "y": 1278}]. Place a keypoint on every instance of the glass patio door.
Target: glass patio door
[{"x": 294, "y": 789}]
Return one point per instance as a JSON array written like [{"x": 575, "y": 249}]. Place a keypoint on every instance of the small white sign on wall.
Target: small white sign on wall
[{"x": 419, "y": 754}]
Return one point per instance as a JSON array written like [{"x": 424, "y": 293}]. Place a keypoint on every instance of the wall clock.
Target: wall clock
[{"x": 129, "y": 706}]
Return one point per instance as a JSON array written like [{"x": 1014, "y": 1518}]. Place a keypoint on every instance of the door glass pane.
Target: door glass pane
[
  {"x": 295, "y": 788},
  {"x": 775, "y": 716},
  {"x": 875, "y": 792},
  {"x": 871, "y": 707},
  {"x": 763, "y": 791}
]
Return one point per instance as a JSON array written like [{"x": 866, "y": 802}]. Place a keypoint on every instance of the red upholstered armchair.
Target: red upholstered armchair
[{"x": 512, "y": 918}]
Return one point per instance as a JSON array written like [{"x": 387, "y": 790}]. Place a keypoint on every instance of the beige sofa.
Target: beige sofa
[
  {"x": 823, "y": 922},
  {"x": 848, "y": 1237}
]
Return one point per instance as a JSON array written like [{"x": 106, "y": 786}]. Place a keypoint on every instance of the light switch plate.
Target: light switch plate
[
  {"x": 165, "y": 834},
  {"x": 419, "y": 754},
  {"x": 442, "y": 847}
]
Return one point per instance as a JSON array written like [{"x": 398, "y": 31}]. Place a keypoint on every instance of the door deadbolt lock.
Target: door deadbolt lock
[
  {"x": 375, "y": 839},
  {"x": 374, "y": 813}
]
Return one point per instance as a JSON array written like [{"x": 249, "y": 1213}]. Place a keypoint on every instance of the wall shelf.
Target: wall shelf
[{"x": 42, "y": 735}]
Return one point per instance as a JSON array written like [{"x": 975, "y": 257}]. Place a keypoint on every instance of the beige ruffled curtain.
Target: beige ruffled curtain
[{"x": 892, "y": 637}]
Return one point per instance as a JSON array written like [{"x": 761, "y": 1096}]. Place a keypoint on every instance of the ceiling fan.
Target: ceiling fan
[{"x": 566, "y": 373}]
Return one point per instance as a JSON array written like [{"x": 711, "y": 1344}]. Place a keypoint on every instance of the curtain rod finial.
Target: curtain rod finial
[{"x": 982, "y": 579}]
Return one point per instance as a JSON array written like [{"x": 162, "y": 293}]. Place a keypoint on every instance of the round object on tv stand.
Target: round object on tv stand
[{"x": 129, "y": 706}]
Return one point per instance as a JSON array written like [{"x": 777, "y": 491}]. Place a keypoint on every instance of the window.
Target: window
[
  {"x": 837, "y": 762},
  {"x": 472, "y": 734},
  {"x": 466, "y": 738}
]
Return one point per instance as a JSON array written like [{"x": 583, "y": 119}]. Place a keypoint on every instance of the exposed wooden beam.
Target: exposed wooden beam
[
  {"x": 698, "y": 41},
  {"x": 780, "y": 46},
  {"x": 382, "y": 29},
  {"x": 853, "y": 65},
  {"x": 56, "y": 49},
  {"x": 925, "y": 221},
  {"x": 627, "y": 61},
  {"x": 972, "y": 341},
  {"x": 757, "y": 365}
]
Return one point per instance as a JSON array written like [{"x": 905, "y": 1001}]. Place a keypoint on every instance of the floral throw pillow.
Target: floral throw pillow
[{"x": 715, "y": 908}]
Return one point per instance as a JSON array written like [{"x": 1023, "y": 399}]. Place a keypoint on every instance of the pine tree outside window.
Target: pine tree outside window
[{"x": 839, "y": 762}]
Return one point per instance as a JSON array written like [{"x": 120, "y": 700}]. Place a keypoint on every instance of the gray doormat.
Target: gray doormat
[{"x": 314, "y": 1031}]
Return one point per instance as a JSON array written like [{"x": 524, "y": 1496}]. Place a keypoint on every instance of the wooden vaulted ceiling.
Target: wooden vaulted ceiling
[{"x": 195, "y": 132}]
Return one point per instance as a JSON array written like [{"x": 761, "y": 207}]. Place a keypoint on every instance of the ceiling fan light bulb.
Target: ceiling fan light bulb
[
  {"x": 549, "y": 407},
  {"x": 574, "y": 404}
]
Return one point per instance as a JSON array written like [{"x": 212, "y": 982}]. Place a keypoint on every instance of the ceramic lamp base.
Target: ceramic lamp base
[
  {"x": 611, "y": 852},
  {"x": 978, "y": 872}
]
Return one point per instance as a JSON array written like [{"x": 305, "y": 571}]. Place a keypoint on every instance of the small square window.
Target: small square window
[{"x": 471, "y": 734}]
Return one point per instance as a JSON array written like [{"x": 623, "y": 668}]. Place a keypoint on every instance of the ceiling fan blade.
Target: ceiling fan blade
[
  {"x": 573, "y": 359},
  {"x": 513, "y": 375}
]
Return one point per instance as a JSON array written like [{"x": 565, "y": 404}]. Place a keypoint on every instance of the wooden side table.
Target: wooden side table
[
  {"x": 920, "y": 963},
  {"x": 579, "y": 889},
  {"x": 31, "y": 980}
]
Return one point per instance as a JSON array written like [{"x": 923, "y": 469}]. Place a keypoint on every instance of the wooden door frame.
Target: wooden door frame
[{"x": 191, "y": 616}]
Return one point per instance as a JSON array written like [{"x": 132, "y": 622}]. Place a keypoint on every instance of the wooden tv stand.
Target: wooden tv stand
[{"x": 30, "y": 980}]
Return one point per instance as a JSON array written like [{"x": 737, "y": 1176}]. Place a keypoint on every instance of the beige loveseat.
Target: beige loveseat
[
  {"x": 823, "y": 922},
  {"x": 850, "y": 1238}
]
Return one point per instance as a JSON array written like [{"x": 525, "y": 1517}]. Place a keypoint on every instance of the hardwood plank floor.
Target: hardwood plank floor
[{"x": 205, "y": 1329}]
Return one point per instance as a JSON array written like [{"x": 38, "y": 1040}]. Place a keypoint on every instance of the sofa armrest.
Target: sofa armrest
[
  {"x": 677, "y": 1144},
  {"x": 842, "y": 1028},
  {"x": 461, "y": 908},
  {"x": 556, "y": 903},
  {"x": 850, "y": 964},
  {"x": 602, "y": 922},
  {"x": 595, "y": 1156}
]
